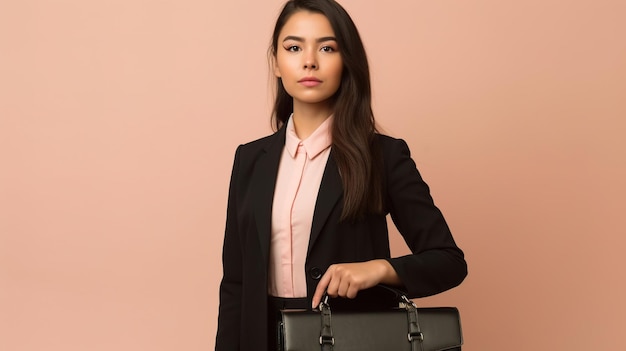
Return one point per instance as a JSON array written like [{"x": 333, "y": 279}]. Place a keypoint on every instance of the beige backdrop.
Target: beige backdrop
[{"x": 119, "y": 120}]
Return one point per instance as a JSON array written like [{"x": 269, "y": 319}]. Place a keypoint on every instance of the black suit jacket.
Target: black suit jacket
[{"x": 435, "y": 265}]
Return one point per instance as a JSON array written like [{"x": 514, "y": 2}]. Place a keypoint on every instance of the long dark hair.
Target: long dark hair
[{"x": 353, "y": 126}]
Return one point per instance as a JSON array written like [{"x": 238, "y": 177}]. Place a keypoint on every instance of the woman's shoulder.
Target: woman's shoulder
[
  {"x": 258, "y": 143},
  {"x": 251, "y": 151},
  {"x": 262, "y": 143},
  {"x": 387, "y": 138},
  {"x": 389, "y": 143}
]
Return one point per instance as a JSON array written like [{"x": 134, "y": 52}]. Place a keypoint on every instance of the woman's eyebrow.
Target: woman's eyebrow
[{"x": 300, "y": 39}]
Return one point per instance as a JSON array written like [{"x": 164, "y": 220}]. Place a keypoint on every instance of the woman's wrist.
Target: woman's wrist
[{"x": 388, "y": 273}]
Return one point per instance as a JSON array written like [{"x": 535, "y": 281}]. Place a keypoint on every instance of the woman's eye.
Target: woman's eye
[
  {"x": 293, "y": 48},
  {"x": 328, "y": 49}
]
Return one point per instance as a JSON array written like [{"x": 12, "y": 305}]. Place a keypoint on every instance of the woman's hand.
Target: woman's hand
[{"x": 347, "y": 279}]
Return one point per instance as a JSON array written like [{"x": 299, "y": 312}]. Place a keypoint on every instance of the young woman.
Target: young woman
[{"x": 307, "y": 205}]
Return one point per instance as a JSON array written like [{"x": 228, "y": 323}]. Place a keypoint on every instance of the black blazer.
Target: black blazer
[{"x": 436, "y": 264}]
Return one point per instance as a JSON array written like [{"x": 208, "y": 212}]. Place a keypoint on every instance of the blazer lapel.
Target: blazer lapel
[
  {"x": 330, "y": 191},
  {"x": 264, "y": 178}
]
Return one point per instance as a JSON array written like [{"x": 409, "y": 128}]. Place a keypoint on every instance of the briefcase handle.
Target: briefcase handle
[
  {"x": 399, "y": 295},
  {"x": 414, "y": 334}
]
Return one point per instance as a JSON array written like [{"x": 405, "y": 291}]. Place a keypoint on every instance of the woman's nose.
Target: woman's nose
[{"x": 310, "y": 61}]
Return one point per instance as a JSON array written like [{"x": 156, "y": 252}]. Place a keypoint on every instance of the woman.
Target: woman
[{"x": 307, "y": 205}]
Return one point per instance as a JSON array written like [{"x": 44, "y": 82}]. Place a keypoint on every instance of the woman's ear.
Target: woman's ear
[
  {"x": 276, "y": 69},
  {"x": 274, "y": 65}
]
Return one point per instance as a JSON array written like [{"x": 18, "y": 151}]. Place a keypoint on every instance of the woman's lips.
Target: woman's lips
[{"x": 310, "y": 81}]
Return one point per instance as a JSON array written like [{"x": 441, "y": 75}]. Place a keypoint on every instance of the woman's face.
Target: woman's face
[{"x": 307, "y": 59}]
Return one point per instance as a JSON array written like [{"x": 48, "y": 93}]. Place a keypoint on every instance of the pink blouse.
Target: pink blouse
[{"x": 300, "y": 173}]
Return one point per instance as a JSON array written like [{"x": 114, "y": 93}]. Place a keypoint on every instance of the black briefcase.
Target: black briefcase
[{"x": 404, "y": 328}]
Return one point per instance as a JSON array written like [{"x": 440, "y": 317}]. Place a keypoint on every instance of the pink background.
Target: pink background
[{"x": 119, "y": 120}]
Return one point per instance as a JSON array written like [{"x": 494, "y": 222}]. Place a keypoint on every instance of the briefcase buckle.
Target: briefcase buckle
[
  {"x": 324, "y": 339},
  {"x": 416, "y": 336}
]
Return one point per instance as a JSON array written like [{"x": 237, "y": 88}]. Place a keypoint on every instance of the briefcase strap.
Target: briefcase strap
[
  {"x": 327, "y": 341},
  {"x": 415, "y": 335}
]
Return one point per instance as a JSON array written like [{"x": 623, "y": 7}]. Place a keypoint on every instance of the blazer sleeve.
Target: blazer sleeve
[
  {"x": 436, "y": 263},
  {"x": 229, "y": 319}
]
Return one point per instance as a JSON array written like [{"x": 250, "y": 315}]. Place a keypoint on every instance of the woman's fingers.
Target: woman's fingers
[
  {"x": 321, "y": 288},
  {"x": 347, "y": 279}
]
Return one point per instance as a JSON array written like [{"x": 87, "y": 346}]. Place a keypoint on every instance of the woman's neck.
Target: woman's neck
[{"x": 307, "y": 118}]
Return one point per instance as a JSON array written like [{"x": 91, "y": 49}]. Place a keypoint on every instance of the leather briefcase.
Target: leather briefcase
[{"x": 404, "y": 328}]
